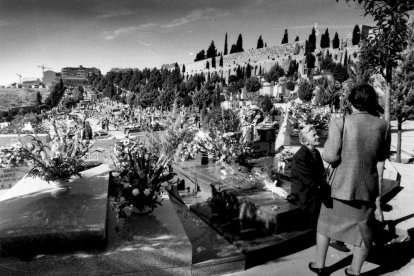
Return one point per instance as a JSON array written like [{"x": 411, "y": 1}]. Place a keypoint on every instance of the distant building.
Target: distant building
[
  {"x": 120, "y": 70},
  {"x": 78, "y": 73},
  {"x": 50, "y": 77},
  {"x": 168, "y": 66},
  {"x": 31, "y": 83}
]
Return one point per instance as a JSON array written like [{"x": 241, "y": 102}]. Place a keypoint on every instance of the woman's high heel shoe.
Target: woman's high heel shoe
[
  {"x": 318, "y": 271},
  {"x": 349, "y": 274}
]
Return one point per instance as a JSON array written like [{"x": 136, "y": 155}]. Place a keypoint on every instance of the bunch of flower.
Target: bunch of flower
[
  {"x": 286, "y": 156},
  {"x": 59, "y": 159},
  {"x": 10, "y": 157},
  {"x": 306, "y": 114},
  {"x": 227, "y": 148},
  {"x": 250, "y": 115},
  {"x": 140, "y": 177}
]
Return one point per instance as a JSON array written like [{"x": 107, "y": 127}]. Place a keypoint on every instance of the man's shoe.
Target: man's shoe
[{"x": 339, "y": 246}]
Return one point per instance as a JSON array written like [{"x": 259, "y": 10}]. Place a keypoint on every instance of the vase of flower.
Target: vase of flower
[{"x": 61, "y": 184}]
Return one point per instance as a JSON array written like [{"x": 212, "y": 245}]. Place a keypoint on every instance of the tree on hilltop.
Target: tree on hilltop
[
  {"x": 312, "y": 40},
  {"x": 200, "y": 55},
  {"x": 356, "y": 35},
  {"x": 211, "y": 51},
  {"x": 233, "y": 49},
  {"x": 260, "y": 43},
  {"x": 285, "y": 38},
  {"x": 325, "y": 40},
  {"x": 183, "y": 70},
  {"x": 297, "y": 38},
  {"x": 221, "y": 61},
  {"x": 225, "y": 45},
  {"x": 207, "y": 65},
  {"x": 239, "y": 44},
  {"x": 335, "y": 42}
]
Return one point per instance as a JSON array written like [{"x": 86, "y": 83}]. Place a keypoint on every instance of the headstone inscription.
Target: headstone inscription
[{"x": 10, "y": 176}]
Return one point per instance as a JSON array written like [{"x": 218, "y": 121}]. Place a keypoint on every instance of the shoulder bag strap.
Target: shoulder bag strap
[{"x": 329, "y": 172}]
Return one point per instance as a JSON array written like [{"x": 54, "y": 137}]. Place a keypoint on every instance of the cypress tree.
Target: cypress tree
[
  {"x": 356, "y": 35},
  {"x": 312, "y": 40},
  {"x": 221, "y": 61},
  {"x": 207, "y": 65},
  {"x": 239, "y": 44},
  {"x": 183, "y": 68},
  {"x": 248, "y": 71},
  {"x": 213, "y": 62},
  {"x": 285, "y": 37},
  {"x": 323, "y": 41},
  {"x": 260, "y": 42},
  {"x": 211, "y": 51},
  {"x": 297, "y": 38},
  {"x": 335, "y": 42},
  {"x": 225, "y": 45},
  {"x": 346, "y": 58}
]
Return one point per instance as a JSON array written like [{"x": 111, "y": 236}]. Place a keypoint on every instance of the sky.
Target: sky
[{"x": 148, "y": 33}]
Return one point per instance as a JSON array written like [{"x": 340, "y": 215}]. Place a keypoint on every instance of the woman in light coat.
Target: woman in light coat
[{"x": 357, "y": 148}]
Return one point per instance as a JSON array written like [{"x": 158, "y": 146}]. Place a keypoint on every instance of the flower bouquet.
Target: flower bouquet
[
  {"x": 141, "y": 176},
  {"x": 306, "y": 114},
  {"x": 57, "y": 161}
]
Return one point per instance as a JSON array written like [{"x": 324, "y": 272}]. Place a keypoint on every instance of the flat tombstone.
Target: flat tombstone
[{"x": 36, "y": 217}]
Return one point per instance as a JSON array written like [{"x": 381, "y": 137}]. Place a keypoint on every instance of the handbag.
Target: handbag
[{"x": 324, "y": 189}]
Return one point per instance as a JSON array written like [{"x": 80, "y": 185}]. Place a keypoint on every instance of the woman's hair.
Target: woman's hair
[
  {"x": 364, "y": 98},
  {"x": 304, "y": 132}
]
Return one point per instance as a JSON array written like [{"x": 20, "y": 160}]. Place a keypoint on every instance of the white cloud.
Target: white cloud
[
  {"x": 110, "y": 35},
  {"x": 194, "y": 16}
]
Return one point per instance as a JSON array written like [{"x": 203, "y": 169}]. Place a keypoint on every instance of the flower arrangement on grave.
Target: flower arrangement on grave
[
  {"x": 226, "y": 148},
  {"x": 142, "y": 172},
  {"x": 59, "y": 160},
  {"x": 250, "y": 116},
  {"x": 286, "y": 156},
  {"x": 140, "y": 177},
  {"x": 306, "y": 114}
]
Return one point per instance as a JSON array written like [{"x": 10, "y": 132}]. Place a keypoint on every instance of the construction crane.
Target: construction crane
[
  {"x": 20, "y": 77},
  {"x": 43, "y": 68}
]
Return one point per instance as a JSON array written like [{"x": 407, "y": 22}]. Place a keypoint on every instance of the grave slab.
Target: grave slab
[{"x": 36, "y": 216}]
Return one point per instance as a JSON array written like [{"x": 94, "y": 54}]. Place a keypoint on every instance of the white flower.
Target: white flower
[
  {"x": 122, "y": 200},
  {"x": 146, "y": 192},
  {"x": 135, "y": 192}
]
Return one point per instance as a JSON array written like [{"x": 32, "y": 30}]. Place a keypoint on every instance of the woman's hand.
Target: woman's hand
[{"x": 379, "y": 215}]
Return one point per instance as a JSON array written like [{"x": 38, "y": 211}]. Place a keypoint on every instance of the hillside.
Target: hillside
[{"x": 14, "y": 97}]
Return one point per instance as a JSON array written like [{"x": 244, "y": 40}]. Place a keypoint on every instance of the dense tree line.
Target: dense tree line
[{"x": 158, "y": 87}]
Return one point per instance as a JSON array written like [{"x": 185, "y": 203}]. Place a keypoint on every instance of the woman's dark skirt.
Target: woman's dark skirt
[{"x": 347, "y": 221}]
